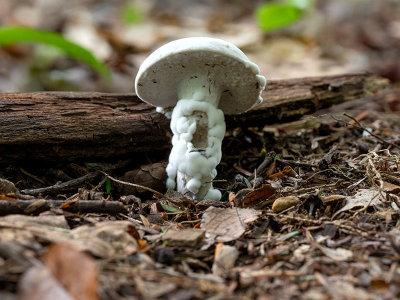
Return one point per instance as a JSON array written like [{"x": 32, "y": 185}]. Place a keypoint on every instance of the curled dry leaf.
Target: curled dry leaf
[
  {"x": 283, "y": 203},
  {"x": 247, "y": 197},
  {"x": 287, "y": 171},
  {"x": 227, "y": 224}
]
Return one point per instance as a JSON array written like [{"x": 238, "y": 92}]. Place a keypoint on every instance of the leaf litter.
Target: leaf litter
[
  {"x": 334, "y": 176},
  {"x": 309, "y": 221}
]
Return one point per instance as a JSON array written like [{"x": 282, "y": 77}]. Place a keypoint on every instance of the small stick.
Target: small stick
[
  {"x": 268, "y": 160},
  {"x": 62, "y": 186},
  {"x": 370, "y": 132},
  {"x": 31, "y": 176},
  {"x": 144, "y": 188},
  {"x": 296, "y": 163}
]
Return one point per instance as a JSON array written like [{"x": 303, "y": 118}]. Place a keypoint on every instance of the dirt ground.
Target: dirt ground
[{"x": 310, "y": 208}]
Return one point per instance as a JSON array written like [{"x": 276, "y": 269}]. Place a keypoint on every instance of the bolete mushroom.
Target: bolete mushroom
[{"x": 199, "y": 78}]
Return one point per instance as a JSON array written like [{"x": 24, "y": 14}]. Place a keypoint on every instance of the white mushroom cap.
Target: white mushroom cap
[{"x": 223, "y": 63}]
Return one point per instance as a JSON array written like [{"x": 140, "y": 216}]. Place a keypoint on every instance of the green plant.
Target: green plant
[
  {"x": 108, "y": 186},
  {"x": 12, "y": 35},
  {"x": 275, "y": 15},
  {"x": 131, "y": 14}
]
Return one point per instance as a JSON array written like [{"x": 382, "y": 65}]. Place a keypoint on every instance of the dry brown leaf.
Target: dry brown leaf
[
  {"x": 39, "y": 284},
  {"x": 341, "y": 289},
  {"x": 332, "y": 198},
  {"x": 26, "y": 222},
  {"x": 283, "y": 203},
  {"x": 257, "y": 195},
  {"x": 153, "y": 290},
  {"x": 287, "y": 171},
  {"x": 184, "y": 238},
  {"x": 227, "y": 224},
  {"x": 362, "y": 198},
  {"x": 7, "y": 187},
  {"x": 224, "y": 259},
  {"x": 390, "y": 186},
  {"x": 75, "y": 270},
  {"x": 105, "y": 239}
]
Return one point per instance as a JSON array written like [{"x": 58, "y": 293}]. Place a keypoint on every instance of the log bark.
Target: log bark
[{"x": 51, "y": 126}]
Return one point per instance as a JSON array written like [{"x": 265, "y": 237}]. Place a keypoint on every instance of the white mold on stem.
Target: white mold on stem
[{"x": 198, "y": 127}]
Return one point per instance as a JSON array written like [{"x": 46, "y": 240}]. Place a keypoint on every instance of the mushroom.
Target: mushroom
[{"x": 198, "y": 79}]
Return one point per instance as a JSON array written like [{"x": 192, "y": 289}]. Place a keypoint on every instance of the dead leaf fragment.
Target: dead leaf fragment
[
  {"x": 184, "y": 238},
  {"x": 283, "y": 203},
  {"x": 332, "y": 198},
  {"x": 7, "y": 187},
  {"x": 286, "y": 172},
  {"x": 153, "y": 290},
  {"x": 225, "y": 259},
  {"x": 39, "y": 284},
  {"x": 105, "y": 239},
  {"x": 362, "y": 198},
  {"x": 227, "y": 224},
  {"x": 75, "y": 270},
  {"x": 257, "y": 195},
  {"x": 338, "y": 254}
]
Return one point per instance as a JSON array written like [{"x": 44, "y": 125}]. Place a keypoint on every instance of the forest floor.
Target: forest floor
[{"x": 310, "y": 209}]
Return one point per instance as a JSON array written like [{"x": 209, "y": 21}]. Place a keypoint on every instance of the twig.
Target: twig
[
  {"x": 370, "y": 132},
  {"x": 309, "y": 189},
  {"x": 344, "y": 227},
  {"x": 63, "y": 186},
  {"x": 365, "y": 206},
  {"x": 268, "y": 160},
  {"x": 296, "y": 163},
  {"x": 144, "y": 188},
  {"x": 31, "y": 176}
]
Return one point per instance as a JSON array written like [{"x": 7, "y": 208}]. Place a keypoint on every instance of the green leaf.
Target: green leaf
[
  {"x": 108, "y": 186},
  {"x": 131, "y": 15},
  {"x": 272, "y": 16},
  {"x": 170, "y": 208},
  {"x": 11, "y": 35}
]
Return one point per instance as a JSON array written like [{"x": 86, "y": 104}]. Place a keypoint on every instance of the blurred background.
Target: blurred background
[{"x": 287, "y": 39}]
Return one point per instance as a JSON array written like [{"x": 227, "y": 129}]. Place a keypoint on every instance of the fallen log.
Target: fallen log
[{"x": 53, "y": 126}]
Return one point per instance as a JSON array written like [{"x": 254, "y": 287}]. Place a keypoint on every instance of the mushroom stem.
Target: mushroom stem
[{"x": 198, "y": 127}]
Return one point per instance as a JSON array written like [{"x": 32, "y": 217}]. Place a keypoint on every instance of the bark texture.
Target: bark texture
[{"x": 51, "y": 126}]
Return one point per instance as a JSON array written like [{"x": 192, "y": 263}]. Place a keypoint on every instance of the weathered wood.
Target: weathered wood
[
  {"x": 37, "y": 206},
  {"x": 68, "y": 125}
]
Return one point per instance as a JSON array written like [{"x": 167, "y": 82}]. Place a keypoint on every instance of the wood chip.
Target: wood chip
[{"x": 184, "y": 238}]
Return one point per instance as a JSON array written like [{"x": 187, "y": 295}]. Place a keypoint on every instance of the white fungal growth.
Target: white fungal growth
[
  {"x": 198, "y": 127},
  {"x": 201, "y": 78}
]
